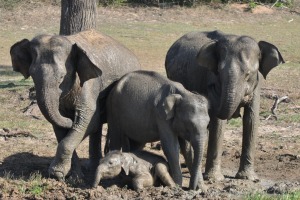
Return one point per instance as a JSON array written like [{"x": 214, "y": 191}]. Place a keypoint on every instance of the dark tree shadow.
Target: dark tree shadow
[{"x": 23, "y": 165}]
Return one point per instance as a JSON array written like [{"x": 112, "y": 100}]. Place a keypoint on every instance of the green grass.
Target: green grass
[
  {"x": 36, "y": 186},
  {"x": 33, "y": 186},
  {"x": 150, "y": 40},
  {"x": 237, "y": 122},
  {"x": 264, "y": 196}
]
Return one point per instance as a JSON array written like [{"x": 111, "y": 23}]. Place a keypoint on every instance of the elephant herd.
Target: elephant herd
[{"x": 87, "y": 79}]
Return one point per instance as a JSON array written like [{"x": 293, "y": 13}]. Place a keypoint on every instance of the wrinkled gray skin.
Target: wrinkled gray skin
[
  {"x": 72, "y": 75},
  {"x": 143, "y": 168},
  {"x": 146, "y": 107},
  {"x": 227, "y": 69}
]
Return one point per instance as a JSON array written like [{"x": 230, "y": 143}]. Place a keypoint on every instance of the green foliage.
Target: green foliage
[
  {"x": 286, "y": 3},
  {"x": 252, "y": 4}
]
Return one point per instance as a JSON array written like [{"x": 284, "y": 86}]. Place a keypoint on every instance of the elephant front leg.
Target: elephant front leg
[
  {"x": 214, "y": 150},
  {"x": 76, "y": 171},
  {"x": 170, "y": 146},
  {"x": 82, "y": 126},
  {"x": 61, "y": 164},
  {"x": 250, "y": 126}
]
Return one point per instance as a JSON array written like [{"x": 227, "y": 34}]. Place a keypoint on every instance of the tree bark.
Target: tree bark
[{"x": 77, "y": 15}]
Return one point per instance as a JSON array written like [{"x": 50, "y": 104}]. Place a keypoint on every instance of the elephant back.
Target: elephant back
[{"x": 109, "y": 55}]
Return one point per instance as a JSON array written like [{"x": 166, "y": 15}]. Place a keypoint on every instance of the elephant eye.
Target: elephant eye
[{"x": 113, "y": 161}]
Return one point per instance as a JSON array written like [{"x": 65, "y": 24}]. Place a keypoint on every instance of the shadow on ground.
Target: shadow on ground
[{"x": 23, "y": 165}]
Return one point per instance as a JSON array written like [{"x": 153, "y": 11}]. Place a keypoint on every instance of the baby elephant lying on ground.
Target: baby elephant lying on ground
[
  {"x": 145, "y": 107},
  {"x": 144, "y": 168}
]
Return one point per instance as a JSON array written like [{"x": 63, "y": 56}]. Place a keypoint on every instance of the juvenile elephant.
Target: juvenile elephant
[
  {"x": 227, "y": 69},
  {"x": 146, "y": 107},
  {"x": 72, "y": 76},
  {"x": 143, "y": 168}
]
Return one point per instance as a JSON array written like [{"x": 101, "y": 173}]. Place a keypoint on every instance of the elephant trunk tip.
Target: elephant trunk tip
[{"x": 96, "y": 183}]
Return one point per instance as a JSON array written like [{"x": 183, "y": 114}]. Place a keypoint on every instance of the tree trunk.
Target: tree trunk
[{"x": 77, "y": 15}]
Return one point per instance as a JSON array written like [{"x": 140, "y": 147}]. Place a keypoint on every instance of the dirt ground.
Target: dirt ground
[{"x": 25, "y": 157}]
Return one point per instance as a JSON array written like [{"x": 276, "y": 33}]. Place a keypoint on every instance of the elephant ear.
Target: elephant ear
[
  {"x": 207, "y": 56},
  {"x": 169, "y": 105},
  {"x": 270, "y": 57},
  {"x": 86, "y": 65},
  {"x": 20, "y": 57},
  {"x": 126, "y": 163}
]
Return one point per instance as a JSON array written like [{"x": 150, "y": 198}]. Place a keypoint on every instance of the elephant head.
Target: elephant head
[
  {"x": 112, "y": 165},
  {"x": 236, "y": 62},
  {"x": 52, "y": 62},
  {"x": 189, "y": 120}
]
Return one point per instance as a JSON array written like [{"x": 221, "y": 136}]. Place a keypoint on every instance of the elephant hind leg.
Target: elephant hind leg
[
  {"x": 141, "y": 181},
  {"x": 95, "y": 151},
  {"x": 76, "y": 171}
]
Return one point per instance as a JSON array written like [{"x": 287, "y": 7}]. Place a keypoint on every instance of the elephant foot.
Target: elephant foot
[
  {"x": 247, "y": 174},
  {"x": 60, "y": 170},
  {"x": 213, "y": 175},
  {"x": 202, "y": 187}
]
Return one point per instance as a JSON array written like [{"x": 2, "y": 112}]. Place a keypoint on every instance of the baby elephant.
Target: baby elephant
[
  {"x": 144, "y": 168},
  {"x": 146, "y": 107}
]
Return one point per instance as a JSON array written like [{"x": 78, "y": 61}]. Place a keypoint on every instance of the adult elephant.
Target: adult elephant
[
  {"x": 72, "y": 76},
  {"x": 227, "y": 69}
]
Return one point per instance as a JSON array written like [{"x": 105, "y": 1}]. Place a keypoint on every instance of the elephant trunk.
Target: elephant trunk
[
  {"x": 230, "y": 98},
  {"x": 196, "y": 174},
  {"x": 98, "y": 176},
  {"x": 48, "y": 102}
]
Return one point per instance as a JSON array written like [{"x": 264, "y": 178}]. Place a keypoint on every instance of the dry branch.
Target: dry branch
[
  {"x": 6, "y": 133},
  {"x": 275, "y": 105}
]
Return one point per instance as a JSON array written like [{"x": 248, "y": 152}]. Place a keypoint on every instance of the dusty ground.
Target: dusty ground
[
  {"x": 25, "y": 154},
  {"x": 25, "y": 159}
]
